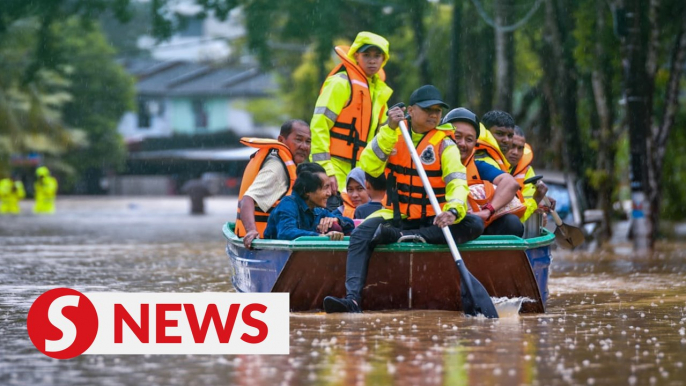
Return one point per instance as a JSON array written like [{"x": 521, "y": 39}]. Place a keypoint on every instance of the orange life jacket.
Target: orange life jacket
[
  {"x": 348, "y": 208},
  {"x": 493, "y": 152},
  {"x": 473, "y": 179},
  {"x": 350, "y": 131},
  {"x": 266, "y": 147},
  {"x": 519, "y": 171},
  {"x": 404, "y": 180}
]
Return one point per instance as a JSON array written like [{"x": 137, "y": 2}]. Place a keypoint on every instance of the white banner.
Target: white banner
[
  {"x": 191, "y": 323},
  {"x": 64, "y": 323}
]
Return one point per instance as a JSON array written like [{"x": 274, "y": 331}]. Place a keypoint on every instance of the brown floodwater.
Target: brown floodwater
[{"x": 613, "y": 317}]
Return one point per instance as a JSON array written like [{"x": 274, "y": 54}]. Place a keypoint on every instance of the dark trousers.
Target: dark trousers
[
  {"x": 360, "y": 248},
  {"x": 509, "y": 224}
]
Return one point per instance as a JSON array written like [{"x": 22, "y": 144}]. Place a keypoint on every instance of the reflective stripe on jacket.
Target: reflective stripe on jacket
[{"x": 266, "y": 147}]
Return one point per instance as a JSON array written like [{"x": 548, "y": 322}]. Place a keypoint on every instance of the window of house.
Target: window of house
[
  {"x": 200, "y": 114},
  {"x": 147, "y": 109},
  {"x": 191, "y": 27},
  {"x": 144, "y": 115}
]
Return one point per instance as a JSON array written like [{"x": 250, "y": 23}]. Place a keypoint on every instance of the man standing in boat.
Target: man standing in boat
[
  {"x": 269, "y": 176},
  {"x": 408, "y": 212},
  {"x": 351, "y": 104}
]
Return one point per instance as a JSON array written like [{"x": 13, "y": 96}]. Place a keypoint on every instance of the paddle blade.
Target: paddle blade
[
  {"x": 568, "y": 237},
  {"x": 475, "y": 299}
]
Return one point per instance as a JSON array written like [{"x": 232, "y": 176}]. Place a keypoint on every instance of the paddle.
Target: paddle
[
  {"x": 567, "y": 236},
  {"x": 475, "y": 299}
]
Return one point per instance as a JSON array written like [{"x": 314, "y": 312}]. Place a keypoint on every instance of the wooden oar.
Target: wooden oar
[
  {"x": 475, "y": 299},
  {"x": 566, "y": 236}
]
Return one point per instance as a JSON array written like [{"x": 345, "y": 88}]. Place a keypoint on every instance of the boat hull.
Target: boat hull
[{"x": 401, "y": 276}]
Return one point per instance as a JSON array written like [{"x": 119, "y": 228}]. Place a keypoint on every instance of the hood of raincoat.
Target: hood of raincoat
[
  {"x": 42, "y": 171},
  {"x": 365, "y": 37}
]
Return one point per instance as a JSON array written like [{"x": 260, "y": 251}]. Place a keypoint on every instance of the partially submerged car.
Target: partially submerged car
[{"x": 571, "y": 203}]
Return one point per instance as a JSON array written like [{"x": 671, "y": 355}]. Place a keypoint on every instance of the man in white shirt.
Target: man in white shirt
[{"x": 272, "y": 181}]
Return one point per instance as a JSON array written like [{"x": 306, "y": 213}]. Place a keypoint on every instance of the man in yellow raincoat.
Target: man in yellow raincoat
[
  {"x": 45, "y": 189},
  {"x": 408, "y": 212},
  {"x": 351, "y": 105},
  {"x": 11, "y": 191}
]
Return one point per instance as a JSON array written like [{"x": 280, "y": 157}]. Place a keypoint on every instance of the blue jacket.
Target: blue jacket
[{"x": 292, "y": 218}]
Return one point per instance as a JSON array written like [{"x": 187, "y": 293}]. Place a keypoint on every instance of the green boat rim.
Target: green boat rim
[{"x": 483, "y": 243}]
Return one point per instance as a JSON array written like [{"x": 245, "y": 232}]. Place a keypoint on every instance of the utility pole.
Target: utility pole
[{"x": 638, "y": 103}]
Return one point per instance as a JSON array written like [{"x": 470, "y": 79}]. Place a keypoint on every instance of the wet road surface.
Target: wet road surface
[{"x": 613, "y": 317}]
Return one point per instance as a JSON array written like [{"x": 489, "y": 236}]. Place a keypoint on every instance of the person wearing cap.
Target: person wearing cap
[
  {"x": 408, "y": 211},
  {"x": 467, "y": 129},
  {"x": 351, "y": 104},
  {"x": 495, "y": 140},
  {"x": 521, "y": 155},
  {"x": 355, "y": 193},
  {"x": 45, "y": 189},
  {"x": 11, "y": 192}
]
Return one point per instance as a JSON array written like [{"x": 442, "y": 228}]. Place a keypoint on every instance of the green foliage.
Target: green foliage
[
  {"x": 527, "y": 65},
  {"x": 265, "y": 111},
  {"x": 101, "y": 93},
  {"x": 304, "y": 88},
  {"x": 31, "y": 112},
  {"x": 674, "y": 171}
]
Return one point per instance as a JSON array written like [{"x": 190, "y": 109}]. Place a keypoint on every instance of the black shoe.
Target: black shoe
[
  {"x": 385, "y": 234},
  {"x": 333, "y": 304}
]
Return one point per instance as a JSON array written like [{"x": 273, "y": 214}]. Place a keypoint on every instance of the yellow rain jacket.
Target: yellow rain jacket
[
  {"x": 521, "y": 172},
  {"x": 10, "y": 193},
  {"x": 453, "y": 174},
  {"x": 348, "y": 111},
  {"x": 45, "y": 190},
  {"x": 490, "y": 151}
]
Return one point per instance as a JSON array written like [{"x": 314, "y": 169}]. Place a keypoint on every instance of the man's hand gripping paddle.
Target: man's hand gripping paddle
[{"x": 475, "y": 299}]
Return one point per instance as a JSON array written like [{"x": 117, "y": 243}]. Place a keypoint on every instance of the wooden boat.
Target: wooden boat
[{"x": 401, "y": 276}]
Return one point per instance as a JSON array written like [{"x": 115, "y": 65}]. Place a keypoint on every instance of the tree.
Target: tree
[
  {"x": 594, "y": 56},
  {"x": 648, "y": 132},
  {"x": 31, "y": 112},
  {"x": 504, "y": 54},
  {"x": 33, "y": 75},
  {"x": 101, "y": 93}
]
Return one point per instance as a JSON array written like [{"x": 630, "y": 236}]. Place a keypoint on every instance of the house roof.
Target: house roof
[{"x": 174, "y": 78}]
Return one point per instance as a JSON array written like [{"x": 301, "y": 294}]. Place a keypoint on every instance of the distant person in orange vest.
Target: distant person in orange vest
[
  {"x": 351, "y": 105},
  {"x": 45, "y": 190},
  {"x": 269, "y": 177}
]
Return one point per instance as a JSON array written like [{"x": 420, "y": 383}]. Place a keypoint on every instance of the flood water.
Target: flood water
[{"x": 613, "y": 317}]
